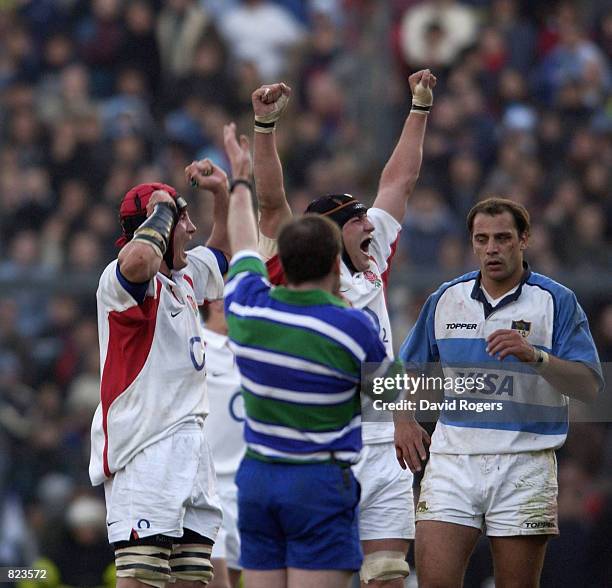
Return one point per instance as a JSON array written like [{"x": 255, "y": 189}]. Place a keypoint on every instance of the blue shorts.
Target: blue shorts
[{"x": 298, "y": 516}]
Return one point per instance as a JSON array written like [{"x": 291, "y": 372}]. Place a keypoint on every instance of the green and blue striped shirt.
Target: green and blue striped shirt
[{"x": 299, "y": 354}]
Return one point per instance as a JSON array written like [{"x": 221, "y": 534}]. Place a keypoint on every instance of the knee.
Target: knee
[
  {"x": 190, "y": 565},
  {"x": 433, "y": 579},
  {"x": 384, "y": 569},
  {"x": 139, "y": 564},
  {"x": 219, "y": 583},
  {"x": 395, "y": 583}
]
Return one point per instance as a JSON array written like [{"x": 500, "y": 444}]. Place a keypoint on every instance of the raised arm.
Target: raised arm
[
  {"x": 242, "y": 226},
  {"x": 141, "y": 258},
  {"x": 268, "y": 105},
  {"x": 207, "y": 176},
  {"x": 401, "y": 172}
]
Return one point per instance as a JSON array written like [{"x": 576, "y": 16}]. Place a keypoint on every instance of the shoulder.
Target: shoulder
[
  {"x": 558, "y": 291},
  {"x": 461, "y": 286},
  {"x": 211, "y": 258},
  {"x": 355, "y": 322},
  {"x": 247, "y": 278},
  {"x": 380, "y": 217},
  {"x": 566, "y": 307},
  {"x": 109, "y": 272},
  {"x": 246, "y": 262},
  {"x": 117, "y": 293}
]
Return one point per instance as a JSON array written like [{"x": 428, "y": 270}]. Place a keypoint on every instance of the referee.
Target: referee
[{"x": 299, "y": 350}]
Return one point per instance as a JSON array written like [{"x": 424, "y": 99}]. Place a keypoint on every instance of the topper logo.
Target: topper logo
[{"x": 468, "y": 326}]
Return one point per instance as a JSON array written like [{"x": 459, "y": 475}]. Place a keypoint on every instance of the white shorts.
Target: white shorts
[
  {"x": 169, "y": 486},
  {"x": 503, "y": 495},
  {"x": 227, "y": 545},
  {"x": 386, "y": 508}
]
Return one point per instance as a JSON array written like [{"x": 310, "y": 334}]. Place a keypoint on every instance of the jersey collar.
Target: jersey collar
[
  {"x": 305, "y": 297},
  {"x": 478, "y": 294}
]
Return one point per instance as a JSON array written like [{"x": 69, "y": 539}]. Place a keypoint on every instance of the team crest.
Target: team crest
[
  {"x": 523, "y": 327},
  {"x": 370, "y": 276}
]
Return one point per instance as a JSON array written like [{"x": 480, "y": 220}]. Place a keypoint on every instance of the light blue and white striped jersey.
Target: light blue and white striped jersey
[
  {"x": 299, "y": 354},
  {"x": 453, "y": 327}
]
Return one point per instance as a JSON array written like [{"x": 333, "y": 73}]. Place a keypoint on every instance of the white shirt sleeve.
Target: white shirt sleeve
[
  {"x": 207, "y": 278},
  {"x": 115, "y": 293},
  {"x": 386, "y": 233}
]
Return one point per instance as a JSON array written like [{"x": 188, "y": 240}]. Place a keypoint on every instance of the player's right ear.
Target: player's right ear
[{"x": 336, "y": 266}]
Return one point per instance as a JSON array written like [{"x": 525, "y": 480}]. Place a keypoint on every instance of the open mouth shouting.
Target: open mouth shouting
[{"x": 365, "y": 245}]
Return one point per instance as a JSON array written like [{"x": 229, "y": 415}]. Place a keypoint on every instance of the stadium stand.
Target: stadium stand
[{"x": 96, "y": 97}]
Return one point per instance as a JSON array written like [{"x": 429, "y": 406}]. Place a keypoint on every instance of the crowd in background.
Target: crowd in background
[{"x": 97, "y": 96}]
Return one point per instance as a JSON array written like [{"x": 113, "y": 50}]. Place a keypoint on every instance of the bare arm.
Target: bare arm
[
  {"x": 401, "y": 172},
  {"x": 207, "y": 176},
  {"x": 139, "y": 261},
  {"x": 571, "y": 378},
  {"x": 241, "y": 220},
  {"x": 242, "y": 226},
  {"x": 268, "y": 103}
]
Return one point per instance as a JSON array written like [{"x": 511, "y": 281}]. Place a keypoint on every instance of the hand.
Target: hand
[
  {"x": 157, "y": 197},
  {"x": 239, "y": 154},
  {"x": 421, "y": 85},
  {"x": 270, "y": 101},
  {"x": 206, "y": 175},
  {"x": 504, "y": 342},
  {"x": 410, "y": 441}
]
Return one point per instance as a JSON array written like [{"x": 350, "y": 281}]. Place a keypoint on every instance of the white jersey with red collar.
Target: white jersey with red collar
[
  {"x": 366, "y": 290},
  {"x": 151, "y": 357}
]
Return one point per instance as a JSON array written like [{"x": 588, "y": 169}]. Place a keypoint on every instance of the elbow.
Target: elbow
[
  {"x": 404, "y": 184},
  {"x": 592, "y": 392},
  {"x": 138, "y": 267},
  {"x": 411, "y": 181},
  {"x": 591, "y": 389}
]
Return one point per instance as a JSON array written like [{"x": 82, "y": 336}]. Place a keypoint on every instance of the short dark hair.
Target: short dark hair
[
  {"x": 494, "y": 206},
  {"x": 308, "y": 247}
]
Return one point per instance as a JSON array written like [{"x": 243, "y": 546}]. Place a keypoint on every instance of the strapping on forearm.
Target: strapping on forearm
[{"x": 155, "y": 231}]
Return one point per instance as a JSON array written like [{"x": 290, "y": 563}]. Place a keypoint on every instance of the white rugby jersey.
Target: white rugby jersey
[
  {"x": 452, "y": 329},
  {"x": 367, "y": 291},
  {"x": 225, "y": 428},
  {"x": 151, "y": 358}
]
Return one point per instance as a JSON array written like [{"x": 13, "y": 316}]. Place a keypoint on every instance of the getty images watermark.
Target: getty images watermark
[
  {"x": 412, "y": 385},
  {"x": 510, "y": 392}
]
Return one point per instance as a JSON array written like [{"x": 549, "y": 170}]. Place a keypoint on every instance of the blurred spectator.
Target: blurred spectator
[
  {"x": 427, "y": 224},
  {"x": 76, "y": 553},
  {"x": 100, "y": 34},
  {"x": 262, "y": 32},
  {"x": 576, "y": 60},
  {"x": 180, "y": 27},
  {"x": 519, "y": 34},
  {"x": 207, "y": 77},
  {"x": 98, "y": 96},
  {"x": 433, "y": 32},
  {"x": 140, "y": 50}
]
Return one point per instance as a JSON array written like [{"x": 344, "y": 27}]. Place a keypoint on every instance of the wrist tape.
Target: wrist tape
[
  {"x": 422, "y": 99},
  {"x": 155, "y": 230},
  {"x": 265, "y": 123}
]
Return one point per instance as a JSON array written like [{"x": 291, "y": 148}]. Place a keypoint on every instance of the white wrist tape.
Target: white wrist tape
[
  {"x": 422, "y": 96},
  {"x": 265, "y": 123}
]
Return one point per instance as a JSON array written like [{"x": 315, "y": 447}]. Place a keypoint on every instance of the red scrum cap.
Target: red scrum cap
[{"x": 133, "y": 209}]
